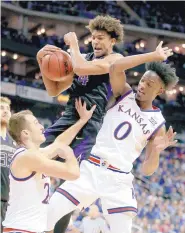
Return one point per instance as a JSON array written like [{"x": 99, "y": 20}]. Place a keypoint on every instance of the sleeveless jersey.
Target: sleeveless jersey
[
  {"x": 28, "y": 201},
  {"x": 7, "y": 150},
  {"x": 125, "y": 132},
  {"x": 93, "y": 89}
]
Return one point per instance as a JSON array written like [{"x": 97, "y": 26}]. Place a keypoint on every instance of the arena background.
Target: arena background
[{"x": 26, "y": 26}]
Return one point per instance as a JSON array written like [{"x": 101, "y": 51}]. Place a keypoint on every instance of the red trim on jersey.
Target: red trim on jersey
[
  {"x": 68, "y": 196},
  {"x": 122, "y": 209},
  {"x": 97, "y": 161},
  {"x": 17, "y": 230}
]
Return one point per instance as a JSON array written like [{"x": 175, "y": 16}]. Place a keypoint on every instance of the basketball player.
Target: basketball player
[
  {"x": 130, "y": 125},
  {"x": 31, "y": 166},
  {"x": 7, "y": 150},
  {"x": 90, "y": 82}
]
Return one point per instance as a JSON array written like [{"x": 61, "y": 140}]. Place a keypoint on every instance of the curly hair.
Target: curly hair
[
  {"x": 165, "y": 72},
  {"x": 109, "y": 24}
]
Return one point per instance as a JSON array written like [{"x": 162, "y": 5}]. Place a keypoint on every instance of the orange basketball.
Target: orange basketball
[{"x": 57, "y": 65}]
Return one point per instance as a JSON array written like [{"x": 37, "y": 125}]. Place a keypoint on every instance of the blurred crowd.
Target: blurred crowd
[
  {"x": 161, "y": 15},
  {"x": 85, "y": 9},
  {"x": 161, "y": 198},
  {"x": 10, "y": 77}
]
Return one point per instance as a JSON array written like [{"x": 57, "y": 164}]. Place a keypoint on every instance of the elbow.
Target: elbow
[
  {"x": 78, "y": 70},
  {"x": 53, "y": 93},
  {"x": 74, "y": 175},
  {"x": 116, "y": 68},
  {"x": 147, "y": 172}
]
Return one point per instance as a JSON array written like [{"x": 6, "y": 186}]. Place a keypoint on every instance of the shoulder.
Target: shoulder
[
  {"x": 23, "y": 155},
  {"x": 113, "y": 56}
]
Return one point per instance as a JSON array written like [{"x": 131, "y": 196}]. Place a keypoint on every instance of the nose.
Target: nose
[
  {"x": 5, "y": 111},
  {"x": 42, "y": 127},
  {"x": 142, "y": 86}
]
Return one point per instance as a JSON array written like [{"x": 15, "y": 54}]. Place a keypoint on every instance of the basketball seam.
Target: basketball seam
[
  {"x": 59, "y": 65},
  {"x": 48, "y": 63}
]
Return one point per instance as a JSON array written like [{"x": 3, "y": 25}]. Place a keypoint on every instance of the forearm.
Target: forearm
[
  {"x": 69, "y": 134},
  {"x": 77, "y": 59},
  {"x": 151, "y": 164},
  {"x": 129, "y": 62},
  {"x": 54, "y": 88},
  {"x": 72, "y": 165}
]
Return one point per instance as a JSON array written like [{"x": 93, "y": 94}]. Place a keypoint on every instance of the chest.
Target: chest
[{"x": 128, "y": 116}]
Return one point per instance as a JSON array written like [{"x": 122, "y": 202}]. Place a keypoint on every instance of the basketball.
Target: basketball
[{"x": 57, "y": 65}]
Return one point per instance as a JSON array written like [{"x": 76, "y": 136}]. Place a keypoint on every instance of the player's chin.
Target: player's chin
[
  {"x": 42, "y": 139},
  {"x": 4, "y": 120},
  {"x": 98, "y": 53},
  {"x": 139, "y": 97}
]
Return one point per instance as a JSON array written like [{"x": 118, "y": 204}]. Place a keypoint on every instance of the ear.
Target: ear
[
  {"x": 113, "y": 41},
  {"x": 24, "y": 132},
  {"x": 161, "y": 91}
]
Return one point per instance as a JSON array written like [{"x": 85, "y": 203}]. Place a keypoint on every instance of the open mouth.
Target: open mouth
[{"x": 97, "y": 49}]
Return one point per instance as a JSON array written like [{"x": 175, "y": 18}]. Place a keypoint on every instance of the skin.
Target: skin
[
  {"x": 5, "y": 115},
  {"x": 149, "y": 87},
  {"x": 102, "y": 45}
]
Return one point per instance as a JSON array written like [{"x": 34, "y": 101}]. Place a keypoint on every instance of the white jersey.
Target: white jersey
[
  {"x": 28, "y": 201},
  {"x": 125, "y": 132}
]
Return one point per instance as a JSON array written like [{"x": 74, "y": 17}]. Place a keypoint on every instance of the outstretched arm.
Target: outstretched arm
[
  {"x": 155, "y": 146},
  {"x": 68, "y": 135},
  {"x": 83, "y": 67},
  {"x": 117, "y": 75}
]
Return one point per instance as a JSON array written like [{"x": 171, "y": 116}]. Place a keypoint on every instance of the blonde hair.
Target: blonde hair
[
  {"x": 5, "y": 100},
  {"x": 109, "y": 24},
  {"x": 17, "y": 123}
]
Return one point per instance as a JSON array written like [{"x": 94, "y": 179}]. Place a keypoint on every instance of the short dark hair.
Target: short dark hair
[
  {"x": 109, "y": 24},
  {"x": 166, "y": 73}
]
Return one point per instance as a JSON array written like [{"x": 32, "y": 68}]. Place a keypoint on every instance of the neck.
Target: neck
[
  {"x": 3, "y": 131},
  {"x": 29, "y": 145},
  {"x": 145, "y": 105}
]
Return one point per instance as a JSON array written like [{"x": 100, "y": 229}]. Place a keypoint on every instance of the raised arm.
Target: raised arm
[
  {"x": 53, "y": 88},
  {"x": 83, "y": 67},
  {"x": 117, "y": 75},
  {"x": 69, "y": 134}
]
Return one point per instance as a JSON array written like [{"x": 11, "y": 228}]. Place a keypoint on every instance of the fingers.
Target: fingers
[
  {"x": 51, "y": 47},
  {"x": 93, "y": 108},
  {"x": 85, "y": 105},
  {"x": 160, "y": 44},
  {"x": 76, "y": 104},
  {"x": 173, "y": 143},
  {"x": 79, "y": 105}
]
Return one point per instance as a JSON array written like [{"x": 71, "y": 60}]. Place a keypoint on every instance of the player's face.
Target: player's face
[
  {"x": 35, "y": 130},
  {"x": 149, "y": 87},
  {"x": 102, "y": 43},
  {"x": 5, "y": 113}
]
